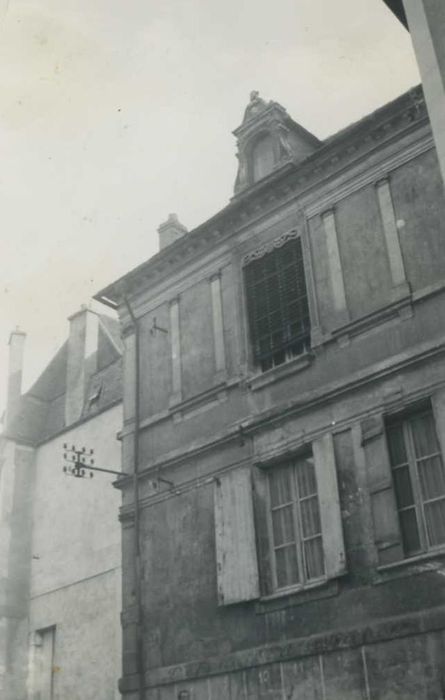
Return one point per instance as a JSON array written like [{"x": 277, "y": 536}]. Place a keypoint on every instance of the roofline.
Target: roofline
[
  {"x": 212, "y": 225},
  {"x": 396, "y": 7}
]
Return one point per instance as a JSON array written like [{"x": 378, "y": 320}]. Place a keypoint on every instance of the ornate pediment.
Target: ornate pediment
[{"x": 268, "y": 139}]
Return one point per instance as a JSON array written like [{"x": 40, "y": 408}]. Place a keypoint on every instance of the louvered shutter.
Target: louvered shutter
[
  {"x": 277, "y": 302},
  {"x": 330, "y": 513},
  {"x": 236, "y": 558},
  {"x": 387, "y": 536}
]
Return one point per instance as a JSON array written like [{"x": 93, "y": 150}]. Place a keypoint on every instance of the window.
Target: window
[
  {"x": 419, "y": 481},
  {"x": 277, "y": 305},
  {"x": 278, "y": 528},
  {"x": 263, "y": 158},
  {"x": 295, "y": 525}
]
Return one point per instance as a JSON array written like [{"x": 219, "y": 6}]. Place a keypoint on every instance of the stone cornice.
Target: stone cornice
[{"x": 401, "y": 117}]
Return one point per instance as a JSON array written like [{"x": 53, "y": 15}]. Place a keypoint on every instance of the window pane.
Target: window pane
[
  {"x": 310, "y": 517},
  {"x": 403, "y": 487},
  {"x": 314, "y": 559},
  {"x": 396, "y": 445},
  {"x": 277, "y": 304},
  {"x": 424, "y": 435},
  {"x": 283, "y": 525},
  {"x": 435, "y": 522},
  {"x": 287, "y": 566},
  {"x": 307, "y": 484},
  {"x": 410, "y": 531},
  {"x": 280, "y": 486},
  {"x": 432, "y": 478}
]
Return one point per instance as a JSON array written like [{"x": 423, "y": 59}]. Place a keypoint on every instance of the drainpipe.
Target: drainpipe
[{"x": 137, "y": 548}]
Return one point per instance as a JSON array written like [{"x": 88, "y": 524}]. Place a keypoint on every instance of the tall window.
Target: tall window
[
  {"x": 295, "y": 525},
  {"x": 277, "y": 305},
  {"x": 263, "y": 157},
  {"x": 419, "y": 481}
]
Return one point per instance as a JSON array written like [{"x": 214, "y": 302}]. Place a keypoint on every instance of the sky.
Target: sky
[{"x": 114, "y": 114}]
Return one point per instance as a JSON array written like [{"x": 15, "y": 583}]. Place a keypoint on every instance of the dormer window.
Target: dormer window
[
  {"x": 267, "y": 140},
  {"x": 263, "y": 157}
]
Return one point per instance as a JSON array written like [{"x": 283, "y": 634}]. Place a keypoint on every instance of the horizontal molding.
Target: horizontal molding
[
  {"x": 371, "y": 176},
  {"x": 309, "y": 401},
  {"x": 280, "y": 372},
  {"x": 397, "y": 627},
  {"x": 395, "y": 310}
]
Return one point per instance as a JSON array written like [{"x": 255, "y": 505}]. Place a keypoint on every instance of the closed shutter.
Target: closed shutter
[
  {"x": 438, "y": 402},
  {"x": 330, "y": 513},
  {"x": 236, "y": 558},
  {"x": 387, "y": 536}
]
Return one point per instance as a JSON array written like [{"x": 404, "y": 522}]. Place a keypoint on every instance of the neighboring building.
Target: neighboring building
[
  {"x": 284, "y": 414},
  {"x": 60, "y": 573},
  {"x": 425, "y": 20}
]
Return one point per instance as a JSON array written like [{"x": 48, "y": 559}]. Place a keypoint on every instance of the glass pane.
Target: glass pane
[
  {"x": 287, "y": 566},
  {"x": 310, "y": 517},
  {"x": 396, "y": 445},
  {"x": 403, "y": 487},
  {"x": 410, "y": 531},
  {"x": 307, "y": 484},
  {"x": 432, "y": 478},
  {"x": 280, "y": 486},
  {"x": 313, "y": 550},
  {"x": 283, "y": 526},
  {"x": 435, "y": 522},
  {"x": 424, "y": 435}
]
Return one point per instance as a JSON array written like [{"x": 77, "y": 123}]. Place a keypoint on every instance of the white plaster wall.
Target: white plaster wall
[
  {"x": 76, "y": 577},
  {"x": 87, "y": 650},
  {"x": 76, "y": 533}
]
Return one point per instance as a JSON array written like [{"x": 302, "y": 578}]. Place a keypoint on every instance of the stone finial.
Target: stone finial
[
  {"x": 255, "y": 106},
  {"x": 170, "y": 231}
]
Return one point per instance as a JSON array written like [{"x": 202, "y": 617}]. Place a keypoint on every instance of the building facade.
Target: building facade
[
  {"x": 60, "y": 556},
  {"x": 283, "y": 523}
]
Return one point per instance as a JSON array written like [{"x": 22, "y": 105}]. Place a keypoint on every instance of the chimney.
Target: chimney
[
  {"x": 170, "y": 231},
  {"x": 15, "y": 370},
  {"x": 82, "y": 360}
]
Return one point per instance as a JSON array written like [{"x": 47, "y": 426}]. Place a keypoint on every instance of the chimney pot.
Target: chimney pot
[
  {"x": 15, "y": 371},
  {"x": 170, "y": 231}
]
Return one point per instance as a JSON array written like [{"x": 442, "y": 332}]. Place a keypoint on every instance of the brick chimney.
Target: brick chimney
[
  {"x": 170, "y": 231},
  {"x": 82, "y": 360},
  {"x": 15, "y": 370}
]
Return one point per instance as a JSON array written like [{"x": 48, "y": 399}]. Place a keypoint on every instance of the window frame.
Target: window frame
[
  {"x": 404, "y": 420},
  {"x": 267, "y": 248},
  {"x": 290, "y": 463}
]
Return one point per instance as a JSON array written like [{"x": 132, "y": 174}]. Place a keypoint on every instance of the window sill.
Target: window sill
[
  {"x": 297, "y": 364},
  {"x": 297, "y": 595},
  {"x": 403, "y": 563}
]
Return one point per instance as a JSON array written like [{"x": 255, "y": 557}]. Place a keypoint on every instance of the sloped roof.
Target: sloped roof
[{"x": 41, "y": 412}]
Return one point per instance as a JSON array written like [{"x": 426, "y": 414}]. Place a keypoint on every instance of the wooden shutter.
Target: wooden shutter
[
  {"x": 438, "y": 402},
  {"x": 236, "y": 558},
  {"x": 330, "y": 513},
  {"x": 387, "y": 535}
]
